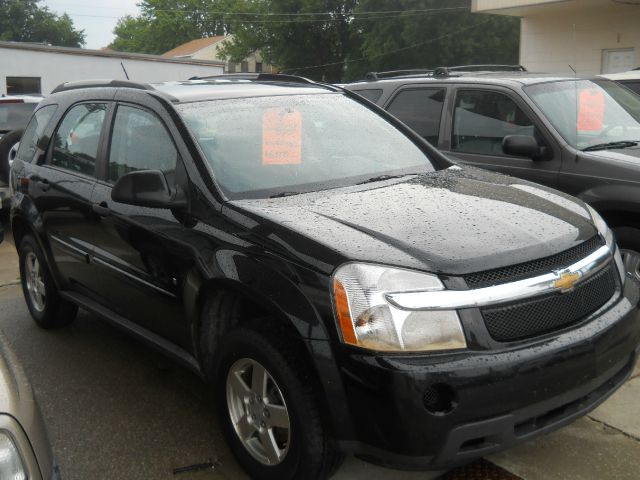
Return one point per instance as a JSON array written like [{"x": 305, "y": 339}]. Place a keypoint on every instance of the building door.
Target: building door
[{"x": 618, "y": 60}]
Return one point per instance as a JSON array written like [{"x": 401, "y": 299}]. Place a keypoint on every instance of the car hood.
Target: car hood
[
  {"x": 453, "y": 221},
  {"x": 624, "y": 155}
]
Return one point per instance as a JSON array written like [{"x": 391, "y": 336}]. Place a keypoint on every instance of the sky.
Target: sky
[{"x": 96, "y": 18}]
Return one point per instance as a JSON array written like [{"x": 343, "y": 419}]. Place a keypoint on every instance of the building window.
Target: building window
[
  {"x": 231, "y": 68},
  {"x": 258, "y": 67},
  {"x": 23, "y": 85},
  {"x": 244, "y": 67}
]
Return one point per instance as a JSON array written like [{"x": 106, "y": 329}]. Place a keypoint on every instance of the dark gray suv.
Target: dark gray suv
[{"x": 579, "y": 135}]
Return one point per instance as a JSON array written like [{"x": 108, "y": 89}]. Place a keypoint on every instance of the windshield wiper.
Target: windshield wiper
[
  {"x": 284, "y": 194},
  {"x": 380, "y": 178},
  {"x": 612, "y": 145}
]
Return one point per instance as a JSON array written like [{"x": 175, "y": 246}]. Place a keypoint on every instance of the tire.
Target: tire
[
  {"x": 40, "y": 292},
  {"x": 628, "y": 239},
  {"x": 303, "y": 451},
  {"x": 7, "y": 142}
]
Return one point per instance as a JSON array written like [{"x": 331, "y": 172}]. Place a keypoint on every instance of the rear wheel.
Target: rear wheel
[
  {"x": 40, "y": 292},
  {"x": 269, "y": 408}
]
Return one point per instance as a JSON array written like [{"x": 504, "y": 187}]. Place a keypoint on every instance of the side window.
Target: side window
[
  {"x": 421, "y": 110},
  {"x": 634, "y": 86},
  {"x": 75, "y": 146},
  {"x": 33, "y": 133},
  {"x": 140, "y": 142},
  {"x": 482, "y": 119}
]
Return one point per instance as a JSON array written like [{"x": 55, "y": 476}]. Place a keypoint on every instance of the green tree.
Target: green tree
[
  {"x": 27, "y": 21},
  {"x": 429, "y": 34},
  {"x": 165, "y": 24}
]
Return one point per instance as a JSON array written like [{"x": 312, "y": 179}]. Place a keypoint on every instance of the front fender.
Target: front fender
[{"x": 613, "y": 198}]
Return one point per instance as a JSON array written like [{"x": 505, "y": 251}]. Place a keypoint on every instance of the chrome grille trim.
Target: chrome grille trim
[{"x": 503, "y": 293}]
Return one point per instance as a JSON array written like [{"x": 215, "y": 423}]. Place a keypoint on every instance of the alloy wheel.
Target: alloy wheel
[
  {"x": 258, "y": 411},
  {"x": 631, "y": 260},
  {"x": 35, "y": 281}
]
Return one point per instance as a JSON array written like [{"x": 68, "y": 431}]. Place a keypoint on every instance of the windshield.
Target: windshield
[
  {"x": 280, "y": 145},
  {"x": 15, "y": 115},
  {"x": 589, "y": 113}
]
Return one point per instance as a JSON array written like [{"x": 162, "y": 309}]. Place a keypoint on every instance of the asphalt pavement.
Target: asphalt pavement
[{"x": 116, "y": 409}]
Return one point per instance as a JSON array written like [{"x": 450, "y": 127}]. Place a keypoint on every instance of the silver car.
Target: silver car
[{"x": 25, "y": 451}]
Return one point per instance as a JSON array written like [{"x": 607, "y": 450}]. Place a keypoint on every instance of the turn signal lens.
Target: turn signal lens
[{"x": 344, "y": 315}]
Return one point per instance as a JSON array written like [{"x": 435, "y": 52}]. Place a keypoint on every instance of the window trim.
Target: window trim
[
  {"x": 103, "y": 178},
  {"x": 103, "y": 132},
  {"x": 520, "y": 103},
  {"x": 423, "y": 86}
]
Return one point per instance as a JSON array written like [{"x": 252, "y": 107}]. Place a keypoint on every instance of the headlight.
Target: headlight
[
  {"x": 368, "y": 320},
  {"x": 607, "y": 234},
  {"x": 11, "y": 466}
]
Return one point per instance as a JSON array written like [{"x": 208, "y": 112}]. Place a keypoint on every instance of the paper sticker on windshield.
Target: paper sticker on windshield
[
  {"x": 590, "y": 110},
  {"x": 281, "y": 137}
]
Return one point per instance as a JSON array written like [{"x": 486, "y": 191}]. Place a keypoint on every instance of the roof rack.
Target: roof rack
[
  {"x": 444, "y": 71},
  {"x": 258, "y": 77},
  {"x": 63, "y": 87}
]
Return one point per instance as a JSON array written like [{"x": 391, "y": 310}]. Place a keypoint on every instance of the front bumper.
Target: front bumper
[{"x": 486, "y": 401}]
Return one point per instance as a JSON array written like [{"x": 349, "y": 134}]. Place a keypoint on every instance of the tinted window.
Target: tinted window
[
  {"x": 23, "y": 85},
  {"x": 482, "y": 119},
  {"x": 372, "y": 94},
  {"x": 76, "y": 141},
  {"x": 265, "y": 146},
  {"x": 15, "y": 115},
  {"x": 635, "y": 86},
  {"x": 140, "y": 142},
  {"x": 421, "y": 110},
  {"x": 33, "y": 133}
]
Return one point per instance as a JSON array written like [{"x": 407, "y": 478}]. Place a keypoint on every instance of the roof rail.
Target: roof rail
[
  {"x": 397, "y": 73},
  {"x": 444, "y": 71},
  {"x": 258, "y": 77},
  {"x": 63, "y": 87}
]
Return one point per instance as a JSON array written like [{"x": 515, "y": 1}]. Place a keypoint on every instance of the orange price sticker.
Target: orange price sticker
[
  {"x": 281, "y": 137},
  {"x": 590, "y": 110}
]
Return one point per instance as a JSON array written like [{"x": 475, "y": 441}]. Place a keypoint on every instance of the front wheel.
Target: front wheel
[
  {"x": 628, "y": 239},
  {"x": 270, "y": 410}
]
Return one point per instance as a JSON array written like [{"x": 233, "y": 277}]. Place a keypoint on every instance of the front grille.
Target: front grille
[
  {"x": 523, "y": 319},
  {"x": 541, "y": 266}
]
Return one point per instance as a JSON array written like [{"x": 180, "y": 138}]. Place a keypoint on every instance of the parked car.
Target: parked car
[
  {"x": 579, "y": 135},
  {"x": 25, "y": 452},
  {"x": 15, "y": 111},
  {"x": 630, "y": 79},
  {"x": 342, "y": 285}
]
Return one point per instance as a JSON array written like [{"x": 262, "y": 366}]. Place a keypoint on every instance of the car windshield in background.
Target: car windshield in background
[
  {"x": 14, "y": 115},
  {"x": 590, "y": 115},
  {"x": 279, "y": 145}
]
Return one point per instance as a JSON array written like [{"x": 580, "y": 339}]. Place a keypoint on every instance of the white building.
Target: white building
[
  {"x": 27, "y": 68},
  {"x": 592, "y": 36}
]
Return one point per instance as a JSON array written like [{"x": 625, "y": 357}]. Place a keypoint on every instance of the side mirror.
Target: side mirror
[
  {"x": 146, "y": 188},
  {"x": 522, "y": 146}
]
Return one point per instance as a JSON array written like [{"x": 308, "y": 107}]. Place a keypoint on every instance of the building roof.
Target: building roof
[
  {"x": 39, "y": 47},
  {"x": 193, "y": 46}
]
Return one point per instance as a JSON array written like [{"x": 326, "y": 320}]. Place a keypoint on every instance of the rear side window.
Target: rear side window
[
  {"x": 635, "y": 86},
  {"x": 76, "y": 141},
  {"x": 372, "y": 94},
  {"x": 33, "y": 133},
  {"x": 140, "y": 142},
  {"x": 482, "y": 119},
  {"x": 421, "y": 110}
]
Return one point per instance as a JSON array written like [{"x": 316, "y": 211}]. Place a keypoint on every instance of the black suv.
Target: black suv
[
  {"x": 342, "y": 285},
  {"x": 579, "y": 135}
]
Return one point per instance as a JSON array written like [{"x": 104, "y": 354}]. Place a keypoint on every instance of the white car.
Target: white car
[
  {"x": 15, "y": 111},
  {"x": 630, "y": 79}
]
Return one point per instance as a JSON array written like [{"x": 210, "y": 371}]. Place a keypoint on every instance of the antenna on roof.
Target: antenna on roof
[{"x": 125, "y": 71}]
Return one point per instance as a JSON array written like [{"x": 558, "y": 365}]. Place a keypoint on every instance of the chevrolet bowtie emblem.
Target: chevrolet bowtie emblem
[{"x": 566, "y": 281}]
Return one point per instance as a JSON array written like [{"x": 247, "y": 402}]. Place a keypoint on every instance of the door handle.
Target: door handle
[
  {"x": 101, "y": 209},
  {"x": 43, "y": 185}
]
